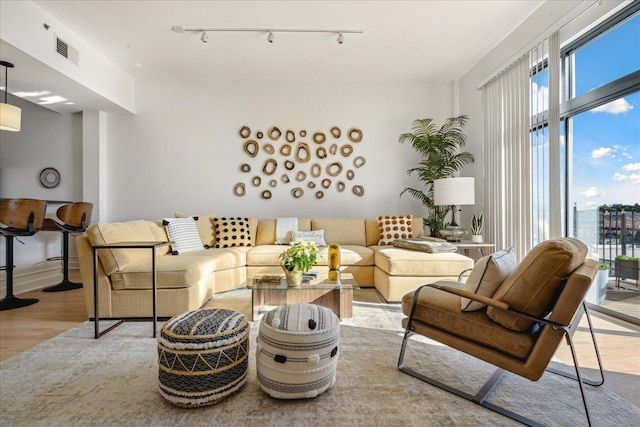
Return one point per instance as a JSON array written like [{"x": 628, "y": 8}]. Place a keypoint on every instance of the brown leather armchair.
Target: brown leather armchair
[{"x": 539, "y": 304}]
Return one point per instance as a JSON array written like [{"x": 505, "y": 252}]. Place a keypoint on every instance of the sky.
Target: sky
[{"x": 606, "y": 139}]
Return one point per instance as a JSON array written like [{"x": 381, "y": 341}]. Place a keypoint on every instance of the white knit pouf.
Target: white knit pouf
[{"x": 297, "y": 351}]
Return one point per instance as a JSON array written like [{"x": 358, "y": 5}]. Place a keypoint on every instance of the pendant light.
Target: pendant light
[{"x": 10, "y": 115}]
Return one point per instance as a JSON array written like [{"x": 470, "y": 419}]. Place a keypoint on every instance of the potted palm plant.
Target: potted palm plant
[
  {"x": 441, "y": 158},
  {"x": 297, "y": 259}
]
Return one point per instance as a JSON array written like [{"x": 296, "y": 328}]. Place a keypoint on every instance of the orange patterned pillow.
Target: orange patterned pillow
[{"x": 394, "y": 227}]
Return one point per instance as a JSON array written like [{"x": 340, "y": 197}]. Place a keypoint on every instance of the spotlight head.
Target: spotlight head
[
  {"x": 204, "y": 37},
  {"x": 270, "y": 37},
  {"x": 340, "y": 38}
]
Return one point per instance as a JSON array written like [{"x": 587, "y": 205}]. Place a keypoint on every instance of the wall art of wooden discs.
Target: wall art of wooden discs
[
  {"x": 321, "y": 153},
  {"x": 285, "y": 150},
  {"x": 358, "y": 190},
  {"x": 319, "y": 138},
  {"x": 274, "y": 133},
  {"x": 334, "y": 169},
  {"x": 251, "y": 147},
  {"x": 303, "y": 153},
  {"x": 239, "y": 189},
  {"x": 268, "y": 148},
  {"x": 336, "y": 132},
  {"x": 270, "y": 166},
  {"x": 354, "y": 135},
  {"x": 297, "y": 192},
  {"x": 346, "y": 150},
  {"x": 245, "y": 131},
  {"x": 290, "y": 136}
]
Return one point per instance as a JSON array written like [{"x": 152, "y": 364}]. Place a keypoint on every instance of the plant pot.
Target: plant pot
[
  {"x": 598, "y": 290},
  {"x": 294, "y": 278},
  {"x": 476, "y": 238}
]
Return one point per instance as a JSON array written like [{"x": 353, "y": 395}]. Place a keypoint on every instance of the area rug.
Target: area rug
[{"x": 75, "y": 380}]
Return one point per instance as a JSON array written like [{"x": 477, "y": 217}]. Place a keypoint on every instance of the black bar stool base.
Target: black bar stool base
[
  {"x": 65, "y": 285},
  {"x": 10, "y": 302}
]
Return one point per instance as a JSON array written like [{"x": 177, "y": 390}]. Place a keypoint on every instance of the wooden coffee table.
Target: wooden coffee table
[{"x": 336, "y": 295}]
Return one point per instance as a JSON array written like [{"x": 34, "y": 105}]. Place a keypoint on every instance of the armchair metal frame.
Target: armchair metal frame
[{"x": 481, "y": 396}]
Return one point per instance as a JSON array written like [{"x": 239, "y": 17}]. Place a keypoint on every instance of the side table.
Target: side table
[
  {"x": 484, "y": 248},
  {"x": 125, "y": 245}
]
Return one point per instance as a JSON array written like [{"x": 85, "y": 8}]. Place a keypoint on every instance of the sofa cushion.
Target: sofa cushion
[
  {"x": 392, "y": 227},
  {"x": 487, "y": 276},
  {"x": 402, "y": 262},
  {"x": 232, "y": 232},
  {"x": 349, "y": 255},
  {"x": 204, "y": 223},
  {"x": 441, "y": 309},
  {"x": 225, "y": 258},
  {"x": 534, "y": 284},
  {"x": 265, "y": 255},
  {"x": 183, "y": 234},
  {"x": 266, "y": 230},
  {"x": 345, "y": 231},
  {"x": 171, "y": 272},
  {"x": 113, "y": 260}
]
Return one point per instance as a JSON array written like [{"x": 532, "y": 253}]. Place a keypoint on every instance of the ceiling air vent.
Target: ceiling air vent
[{"x": 66, "y": 51}]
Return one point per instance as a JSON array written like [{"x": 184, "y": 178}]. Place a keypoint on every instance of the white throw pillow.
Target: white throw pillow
[
  {"x": 487, "y": 275},
  {"x": 315, "y": 236},
  {"x": 183, "y": 232}
]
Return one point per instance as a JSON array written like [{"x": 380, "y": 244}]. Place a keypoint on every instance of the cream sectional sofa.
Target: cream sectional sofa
[{"x": 186, "y": 281}]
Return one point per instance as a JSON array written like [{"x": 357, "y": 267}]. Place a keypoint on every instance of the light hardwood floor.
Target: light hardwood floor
[{"x": 619, "y": 342}]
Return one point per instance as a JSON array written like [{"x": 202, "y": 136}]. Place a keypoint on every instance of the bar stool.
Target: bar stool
[
  {"x": 19, "y": 217},
  {"x": 74, "y": 218}
]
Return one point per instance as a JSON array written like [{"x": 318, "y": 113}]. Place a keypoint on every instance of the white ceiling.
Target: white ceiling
[{"x": 431, "y": 41}]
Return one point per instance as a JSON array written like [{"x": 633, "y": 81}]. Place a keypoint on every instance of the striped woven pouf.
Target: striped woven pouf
[
  {"x": 203, "y": 357},
  {"x": 297, "y": 351}
]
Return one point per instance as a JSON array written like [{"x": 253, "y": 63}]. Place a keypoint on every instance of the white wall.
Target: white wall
[
  {"x": 47, "y": 139},
  {"x": 182, "y": 150}
]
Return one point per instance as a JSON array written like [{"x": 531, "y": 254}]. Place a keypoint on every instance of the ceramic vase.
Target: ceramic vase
[
  {"x": 476, "y": 238},
  {"x": 294, "y": 278}
]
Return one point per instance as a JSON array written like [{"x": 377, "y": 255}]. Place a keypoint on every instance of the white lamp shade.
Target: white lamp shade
[
  {"x": 10, "y": 116},
  {"x": 454, "y": 191}
]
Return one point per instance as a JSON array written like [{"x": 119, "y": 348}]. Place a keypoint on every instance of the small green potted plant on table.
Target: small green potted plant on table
[
  {"x": 477, "y": 224},
  {"x": 297, "y": 259}
]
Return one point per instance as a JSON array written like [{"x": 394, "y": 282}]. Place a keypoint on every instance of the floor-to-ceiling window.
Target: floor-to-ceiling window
[{"x": 600, "y": 149}]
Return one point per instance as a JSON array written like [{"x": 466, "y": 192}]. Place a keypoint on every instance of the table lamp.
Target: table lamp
[{"x": 453, "y": 192}]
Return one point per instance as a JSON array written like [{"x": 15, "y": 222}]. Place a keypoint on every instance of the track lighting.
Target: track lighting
[{"x": 270, "y": 32}]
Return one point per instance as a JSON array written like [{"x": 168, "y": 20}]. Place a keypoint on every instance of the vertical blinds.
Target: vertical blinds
[{"x": 523, "y": 184}]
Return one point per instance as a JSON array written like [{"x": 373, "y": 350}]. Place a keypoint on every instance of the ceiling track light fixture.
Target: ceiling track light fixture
[
  {"x": 270, "y": 32},
  {"x": 10, "y": 115}
]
